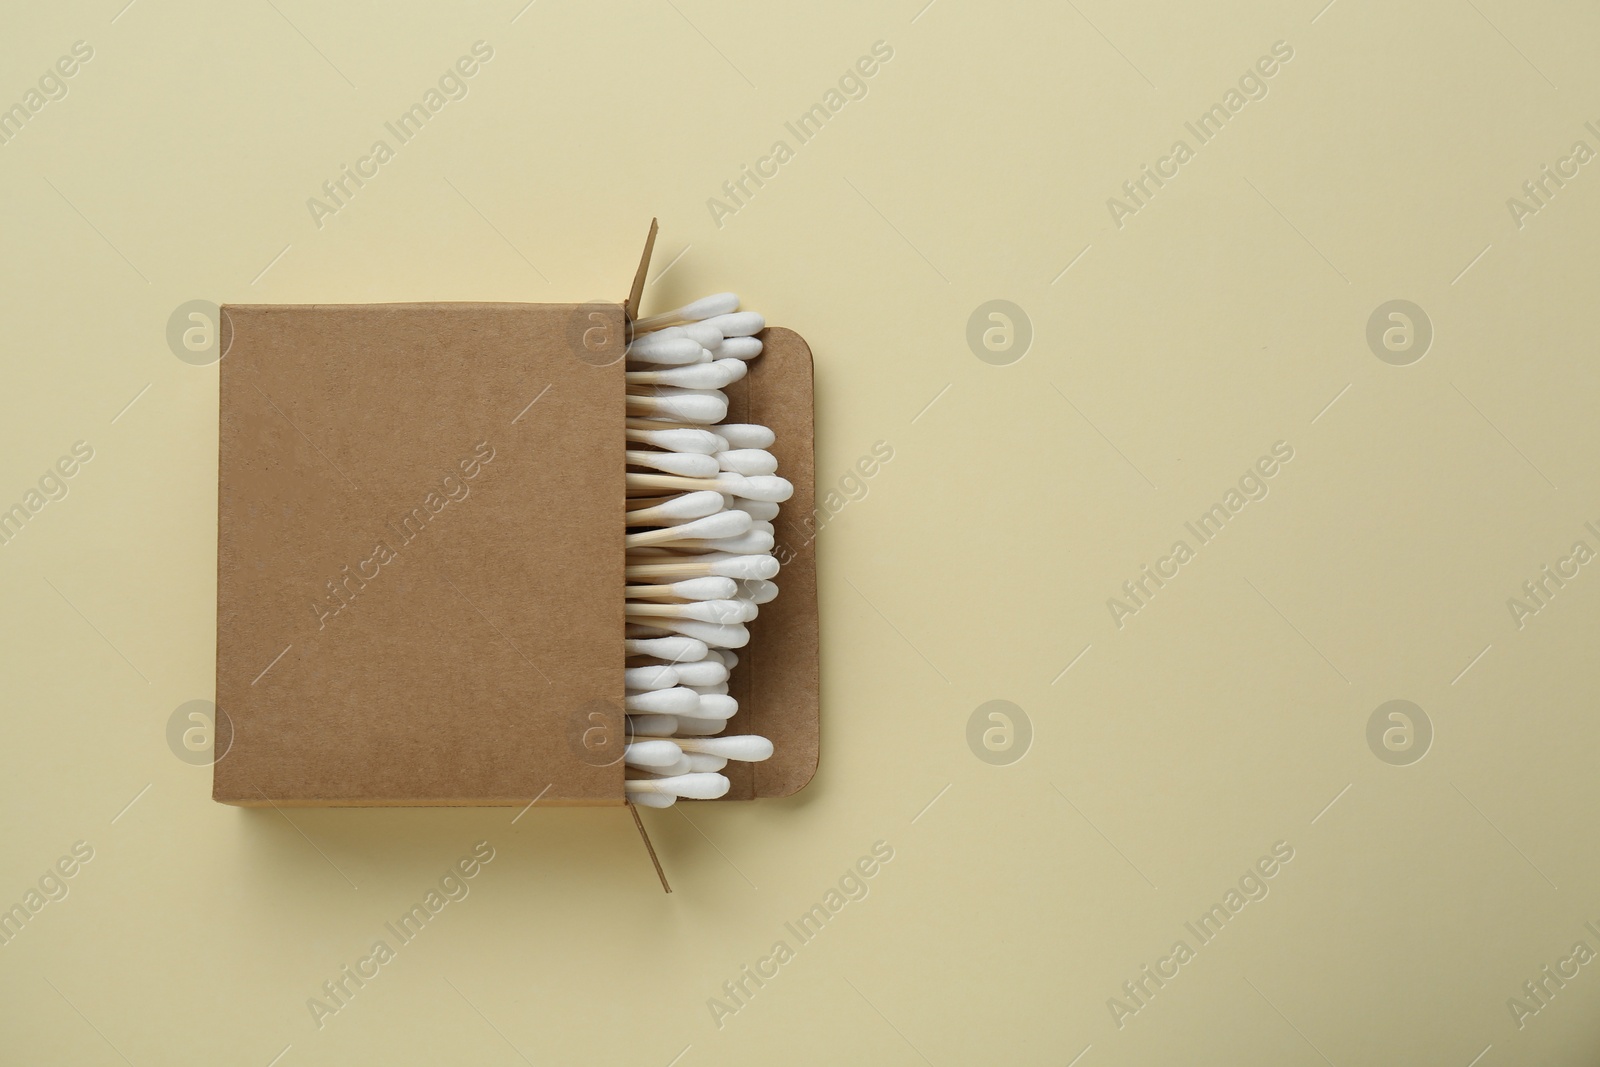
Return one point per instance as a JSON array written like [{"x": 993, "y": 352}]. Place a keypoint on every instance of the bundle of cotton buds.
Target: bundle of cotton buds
[{"x": 702, "y": 494}]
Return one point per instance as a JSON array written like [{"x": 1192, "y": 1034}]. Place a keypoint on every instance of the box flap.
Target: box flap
[
  {"x": 637, "y": 292},
  {"x": 776, "y": 681}
]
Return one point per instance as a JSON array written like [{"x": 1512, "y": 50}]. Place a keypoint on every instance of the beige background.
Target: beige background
[{"x": 1227, "y": 715}]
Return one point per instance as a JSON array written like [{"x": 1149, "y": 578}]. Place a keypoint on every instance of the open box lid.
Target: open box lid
[{"x": 420, "y": 510}]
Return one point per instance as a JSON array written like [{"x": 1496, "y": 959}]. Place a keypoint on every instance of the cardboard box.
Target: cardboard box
[{"x": 420, "y": 557}]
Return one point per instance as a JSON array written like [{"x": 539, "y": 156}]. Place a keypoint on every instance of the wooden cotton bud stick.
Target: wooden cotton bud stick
[
  {"x": 703, "y": 442},
  {"x": 759, "y": 487},
  {"x": 756, "y": 526},
  {"x": 671, "y": 649},
  {"x": 688, "y": 589},
  {"x": 697, "y": 786},
  {"x": 684, "y": 464},
  {"x": 704, "y": 308},
  {"x": 690, "y": 407},
  {"x": 722, "y": 524},
  {"x": 659, "y": 422},
  {"x": 680, "y": 508},
  {"x": 672, "y": 390},
  {"x": 748, "y": 748},
  {"x": 713, "y": 375},
  {"x": 751, "y": 541},
  {"x": 718, "y": 611},
  {"x": 716, "y": 563}
]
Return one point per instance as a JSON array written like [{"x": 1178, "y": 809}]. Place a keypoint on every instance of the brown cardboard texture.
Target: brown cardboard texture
[
  {"x": 420, "y": 558},
  {"x": 776, "y": 682}
]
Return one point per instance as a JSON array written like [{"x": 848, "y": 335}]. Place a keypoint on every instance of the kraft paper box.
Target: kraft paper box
[{"x": 420, "y": 557}]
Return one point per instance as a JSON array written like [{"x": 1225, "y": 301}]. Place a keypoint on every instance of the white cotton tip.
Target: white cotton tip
[
  {"x": 671, "y": 649},
  {"x": 729, "y": 657},
  {"x": 689, "y": 589},
  {"x": 700, "y": 762},
  {"x": 738, "y": 323},
  {"x": 704, "y": 308},
  {"x": 736, "y": 610},
  {"x": 701, "y": 442},
  {"x": 681, "y": 508},
  {"x": 709, "y": 671},
  {"x": 762, "y": 510},
  {"x": 707, "y": 333},
  {"x": 740, "y": 348},
  {"x": 767, "y": 487},
  {"x": 652, "y": 800},
  {"x": 642, "y": 421},
  {"x": 717, "y": 706},
  {"x": 659, "y": 389},
  {"x": 727, "y": 611},
  {"x": 704, "y": 589},
  {"x": 690, "y": 407},
  {"x": 679, "y": 766},
  {"x": 730, "y": 635},
  {"x": 658, "y": 677},
  {"x": 735, "y": 368},
  {"x": 712, "y": 375},
  {"x": 751, "y": 542},
  {"x": 745, "y": 435},
  {"x": 657, "y": 336},
  {"x": 747, "y": 748},
  {"x": 669, "y": 351},
  {"x": 744, "y": 567},
  {"x": 722, "y": 524},
  {"x": 700, "y": 786},
  {"x": 688, "y": 726},
  {"x": 683, "y": 464},
  {"x": 652, "y": 754},
  {"x": 747, "y": 461},
  {"x": 720, "y": 689},
  {"x": 709, "y": 307},
  {"x": 663, "y": 701},
  {"x": 759, "y": 591},
  {"x": 717, "y": 611},
  {"x": 652, "y": 725}
]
